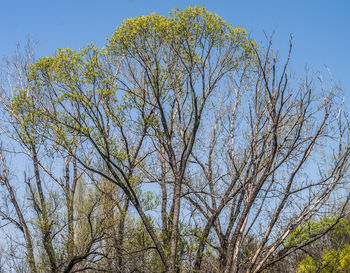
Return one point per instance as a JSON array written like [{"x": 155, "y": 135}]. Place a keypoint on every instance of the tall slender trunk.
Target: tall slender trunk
[
  {"x": 175, "y": 226},
  {"x": 70, "y": 194},
  {"x": 165, "y": 230},
  {"x": 45, "y": 224},
  {"x": 120, "y": 234},
  {"x": 70, "y": 225},
  {"x": 29, "y": 247},
  {"x": 22, "y": 222}
]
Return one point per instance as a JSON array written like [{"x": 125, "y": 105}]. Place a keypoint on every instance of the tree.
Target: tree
[
  {"x": 187, "y": 116},
  {"x": 143, "y": 82},
  {"x": 50, "y": 224},
  {"x": 265, "y": 133}
]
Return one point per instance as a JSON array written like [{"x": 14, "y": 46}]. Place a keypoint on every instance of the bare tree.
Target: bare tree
[{"x": 263, "y": 172}]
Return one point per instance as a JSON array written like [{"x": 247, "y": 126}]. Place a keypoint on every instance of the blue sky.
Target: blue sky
[{"x": 321, "y": 28}]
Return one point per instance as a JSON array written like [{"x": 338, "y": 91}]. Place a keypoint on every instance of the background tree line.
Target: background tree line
[{"x": 180, "y": 146}]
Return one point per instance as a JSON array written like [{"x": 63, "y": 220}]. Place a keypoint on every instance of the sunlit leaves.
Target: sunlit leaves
[
  {"x": 332, "y": 261},
  {"x": 313, "y": 228}
]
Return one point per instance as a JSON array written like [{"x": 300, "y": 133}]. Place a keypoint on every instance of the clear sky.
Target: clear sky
[{"x": 321, "y": 28}]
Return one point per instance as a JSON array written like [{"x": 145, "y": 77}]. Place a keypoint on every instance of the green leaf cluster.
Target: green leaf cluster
[
  {"x": 336, "y": 259},
  {"x": 184, "y": 32},
  {"x": 312, "y": 229},
  {"x": 332, "y": 261}
]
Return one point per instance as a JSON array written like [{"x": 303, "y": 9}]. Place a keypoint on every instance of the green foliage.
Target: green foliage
[
  {"x": 312, "y": 229},
  {"x": 332, "y": 261},
  {"x": 26, "y": 117},
  {"x": 68, "y": 66},
  {"x": 188, "y": 26},
  {"x": 149, "y": 200},
  {"x": 181, "y": 41}
]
